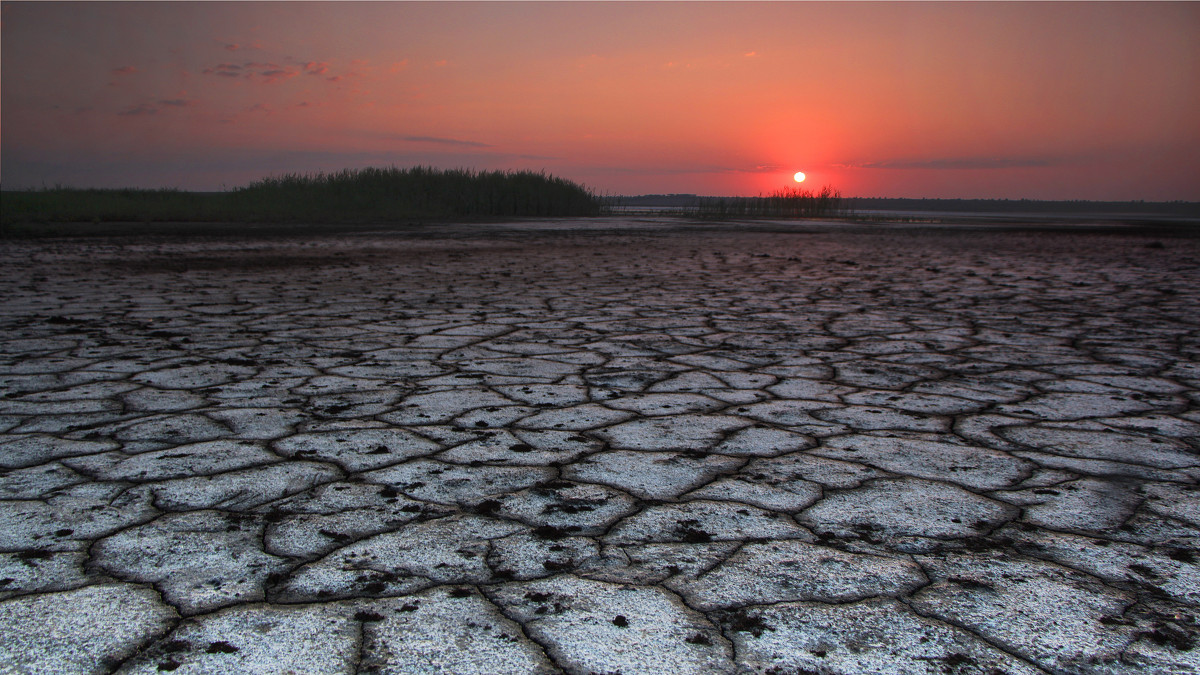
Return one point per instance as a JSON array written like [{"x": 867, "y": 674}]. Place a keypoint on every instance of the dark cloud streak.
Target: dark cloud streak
[
  {"x": 157, "y": 106},
  {"x": 139, "y": 109},
  {"x": 957, "y": 163},
  {"x": 444, "y": 141}
]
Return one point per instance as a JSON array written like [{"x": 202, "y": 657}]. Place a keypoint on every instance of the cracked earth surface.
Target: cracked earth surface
[{"x": 611, "y": 447}]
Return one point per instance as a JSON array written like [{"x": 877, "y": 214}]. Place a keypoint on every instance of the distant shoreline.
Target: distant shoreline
[
  {"x": 965, "y": 206},
  {"x": 521, "y": 228}
]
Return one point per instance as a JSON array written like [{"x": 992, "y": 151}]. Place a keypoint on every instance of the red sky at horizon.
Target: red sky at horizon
[{"x": 950, "y": 100}]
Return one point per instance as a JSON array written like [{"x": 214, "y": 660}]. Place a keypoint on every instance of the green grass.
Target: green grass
[{"x": 354, "y": 195}]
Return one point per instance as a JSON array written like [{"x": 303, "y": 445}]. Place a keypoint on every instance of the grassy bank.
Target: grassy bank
[
  {"x": 70, "y": 205},
  {"x": 354, "y": 195}
]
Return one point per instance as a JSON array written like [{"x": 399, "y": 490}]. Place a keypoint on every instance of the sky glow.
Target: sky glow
[{"x": 972, "y": 100}]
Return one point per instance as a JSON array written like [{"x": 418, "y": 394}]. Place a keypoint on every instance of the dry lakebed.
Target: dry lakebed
[{"x": 602, "y": 446}]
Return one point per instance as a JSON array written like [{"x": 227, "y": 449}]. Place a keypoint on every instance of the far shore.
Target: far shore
[{"x": 861, "y": 223}]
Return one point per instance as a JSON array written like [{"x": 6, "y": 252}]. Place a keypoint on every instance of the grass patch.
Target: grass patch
[
  {"x": 386, "y": 195},
  {"x": 71, "y": 205},
  {"x": 397, "y": 194},
  {"x": 783, "y": 203}
]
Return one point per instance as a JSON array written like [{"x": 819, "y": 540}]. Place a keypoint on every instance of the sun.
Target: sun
[{"x": 799, "y": 177}]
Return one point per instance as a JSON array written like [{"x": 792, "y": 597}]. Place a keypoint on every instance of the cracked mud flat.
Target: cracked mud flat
[{"x": 601, "y": 447}]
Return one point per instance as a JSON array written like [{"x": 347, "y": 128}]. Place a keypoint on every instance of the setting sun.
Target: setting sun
[{"x": 799, "y": 177}]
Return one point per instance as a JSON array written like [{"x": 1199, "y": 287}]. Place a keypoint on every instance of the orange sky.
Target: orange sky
[{"x": 1005, "y": 100}]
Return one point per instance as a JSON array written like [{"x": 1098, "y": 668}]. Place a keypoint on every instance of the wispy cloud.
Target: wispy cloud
[
  {"x": 224, "y": 70},
  {"x": 140, "y": 109},
  {"x": 271, "y": 71},
  {"x": 955, "y": 163},
  {"x": 277, "y": 74},
  {"x": 155, "y": 107},
  {"x": 412, "y": 138},
  {"x": 675, "y": 170},
  {"x": 444, "y": 141},
  {"x": 124, "y": 70}
]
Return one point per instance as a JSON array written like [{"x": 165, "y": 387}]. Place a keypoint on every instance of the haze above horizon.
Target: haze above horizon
[{"x": 1092, "y": 101}]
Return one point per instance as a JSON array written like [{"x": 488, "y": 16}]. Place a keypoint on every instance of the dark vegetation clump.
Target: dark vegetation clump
[
  {"x": 419, "y": 192},
  {"x": 221, "y": 647},
  {"x": 783, "y": 203},
  {"x": 369, "y": 195},
  {"x": 743, "y": 621},
  {"x": 554, "y": 533},
  {"x": 1182, "y": 555},
  {"x": 690, "y": 532},
  {"x": 1165, "y": 634},
  {"x": 487, "y": 507},
  {"x": 72, "y": 205}
]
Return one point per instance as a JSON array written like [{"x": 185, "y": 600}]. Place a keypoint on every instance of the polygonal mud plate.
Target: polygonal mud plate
[
  {"x": 452, "y": 550},
  {"x": 72, "y": 515},
  {"x": 195, "y": 459},
  {"x": 1085, "y": 505},
  {"x": 878, "y": 635},
  {"x": 317, "y": 639},
  {"x": 593, "y": 626},
  {"x": 787, "y": 497},
  {"x": 969, "y": 466},
  {"x": 648, "y": 564},
  {"x": 763, "y": 441},
  {"x": 650, "y": 475},
  {"x": 242, "y": 489},
  {"x": 799, "y": 467},
  {"x": 87, "y": 630},
  {"x": 532, "y": 555},
  {"x": 781, "y": 571},
  {"x": 527, "y": 447},
  {"x": 703, "y": 521},
  {"x": 200, "y": 560},
  {"x": 1048, "y": 614},
  {"x": 357, "y": 449},
  {"x": 434, "y": 481},
  {"x": 35, "y": 449},
  {"x": 451, "y": 630},
  {"x": 577, "y": 508},
  {"x": 575, "y": 418},
  {"x": 899, "y": 507},
  {"x": 678, "y": 432},
  {"x": 1108, "y": 445}
]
